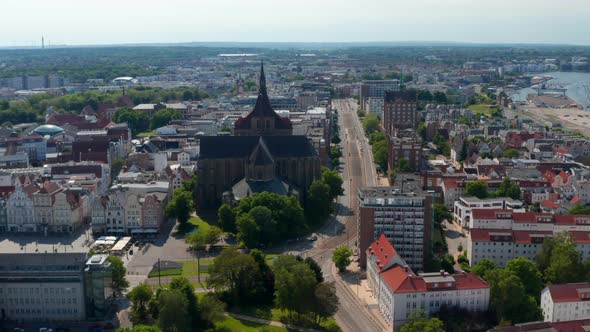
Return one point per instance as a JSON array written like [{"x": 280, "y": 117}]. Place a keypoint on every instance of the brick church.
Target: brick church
[{"x": 263, "y": 155}]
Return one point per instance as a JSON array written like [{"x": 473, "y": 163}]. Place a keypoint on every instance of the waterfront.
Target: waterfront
[{"x": 573, "y": 82}]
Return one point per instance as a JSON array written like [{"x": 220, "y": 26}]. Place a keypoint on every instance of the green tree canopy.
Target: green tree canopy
[
  {"x": 136, "y": 120},
  {"x": 173, "y": 311},
  {"x": 529, "y": 274},
  {"x": 371, "y": 123},
  {"x": 319, "y": 202},
  {"x": 341, "y": 257},
  {"x": 334, "y": 181},
  {"x": 381, "y": 154},
  {"x": 180, "y": 206},
  {"x": 441, "y": 212},
  {"x": 140, "y": 297},
  {"x": 235, "y": 273},
  {"x": 163, "y": 117},
  {"x": 119, "y": 282},
  {"x": 509, "y": 299},
  {"x": 483, "y": 266},
  {"x": 184, "y": 286},
  {"x": 580, "y": 209},
  {"x": 477, "y": 188},
  {"x": 420, "y": 322},
  {"x": 325, "y": 301},
  {"x": 294, "y": 284}
]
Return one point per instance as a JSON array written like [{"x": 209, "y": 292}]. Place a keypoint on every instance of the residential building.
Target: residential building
[
  {"x": 376, "y": 89},
  {"x": 400, "y": 111},
  {"x": 566, "y": 302},
  {"x": 502, "y": 234},
  {"x": 408, "y": 148},
  {"x": 463, "y": 207},
  {"x": 20, "y": 209},
  {"x": 404, "y": 216},
  {"x": 563, "y": 326},
  {"x": 400, "y": 292}
]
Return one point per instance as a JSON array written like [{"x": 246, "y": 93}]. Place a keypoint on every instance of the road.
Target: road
[{"x": 358, "y": 171}]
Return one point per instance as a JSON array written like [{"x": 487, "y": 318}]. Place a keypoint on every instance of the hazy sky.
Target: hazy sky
[{"x": 138, "y": 21}]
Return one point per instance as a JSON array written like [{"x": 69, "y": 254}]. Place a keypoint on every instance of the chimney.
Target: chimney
[{"x": 442, "y": 272}]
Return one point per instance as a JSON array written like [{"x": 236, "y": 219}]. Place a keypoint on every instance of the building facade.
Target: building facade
[
  {"x": 400, "y": 111},
  {"x": 400, "y": 292},
  {"x": 566, "y": 302},
  {"x": 405, "y": 218}
]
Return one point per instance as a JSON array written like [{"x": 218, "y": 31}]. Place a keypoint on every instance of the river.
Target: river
[{"x": 573, "y": 82}]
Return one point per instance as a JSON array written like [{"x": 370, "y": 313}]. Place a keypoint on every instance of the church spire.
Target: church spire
[{"x": 262, "y": 83}]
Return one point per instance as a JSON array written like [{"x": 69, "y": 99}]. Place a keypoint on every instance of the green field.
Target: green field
[
  {"x": 147, "y": 133},
  {"x": 198, "y": 224},
  {"x": 233, "y": 324},
  {"x": 481, "y": 109}
]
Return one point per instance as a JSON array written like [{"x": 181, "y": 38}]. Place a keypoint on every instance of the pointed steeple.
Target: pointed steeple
[{"x": 262, "y": 83}]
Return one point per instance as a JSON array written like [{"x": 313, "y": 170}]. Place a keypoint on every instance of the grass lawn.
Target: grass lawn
[
  {"x": 275, "y": 314},
  {"x": 165, "y": 273},
  {"x": 233, "y": 324},
  {"x": 270, "y": 258},
  {"x": 147, "y": 133},
  {"x": 481, "y": 109},
  {"x": 191, "y": 268}
]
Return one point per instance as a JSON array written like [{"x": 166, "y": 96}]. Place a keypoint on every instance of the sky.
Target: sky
[{"x": 91, "y": 22}]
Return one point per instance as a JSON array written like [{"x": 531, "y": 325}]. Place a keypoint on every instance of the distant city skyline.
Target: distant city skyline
[{"x": 72, "y": 22}]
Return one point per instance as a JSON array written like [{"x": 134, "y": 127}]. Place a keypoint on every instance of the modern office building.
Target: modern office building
[
  {"x": 54, "y": 287},
  {"x": 376, "y": 89},
  {"x": 404, "y": 216}
]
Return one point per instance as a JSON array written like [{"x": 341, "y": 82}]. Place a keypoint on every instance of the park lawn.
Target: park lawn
[
  {"x": 481, "y": 109},
  {"x": 233, "y": 324},
  {"x": 198, "y": 225},
  {"x": 165, "y": 273},
  {"x": 270, "y": 258},
  {"x": 191, "y": 268},
  {"x": 275, "y": 314},
  {"x": 147, "y": 133}
]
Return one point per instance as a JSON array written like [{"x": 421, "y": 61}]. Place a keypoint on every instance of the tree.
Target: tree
[
  {"x": 580, "y": 208},
  {"x": 376, "y": 137},
  {"x": 509, "y": 299},
  {"x": 136, "y": 120},
  {"x": 422, "y": 130},
  {"x": 483, "y": 266},
  {"x": 334, "y": 181},
  {"x": 508, "y": 189},
  {"x": 440, "y": 97},
  {"x": 248, "y": 231},
  {"x": 163, "y": 117},
  {"x": 442, "y": 144},
  {"x": 118, "y": 281},
  {"x": 403, "y": 166},
  {"x": 464, "y": 120},
  {"x": 511, "y": 153},
  {"x": 448, "y": 263},
  {"x": 315, "y": 267},
  {"x": 440, "y": 213},
  {"x": 371, "y": 124},
  {"x": 319, "y": 204},
  {"x": 116, "y": 167},
  {"x": 341, "y": 257},
  {"x": 420, "y": 322},
  {"x": 565, "y": 265},
  {"x": 325, "y": 301},
  {"x": 266, "y": 285},
  {"x": 180, "y": 206},
  {"x": 139, "y": 297},
  {"x": 212, "y": 309},
  {"x": 477, "y": 188},
  {"x": 529, "y": 274},
  {"x": 234, "y": 273},
  {"x": 381, "y": 154},
  {"x": 294, "y": 284},
  {"x": 184, "y": 286},
  {"x": 172, "y": 311}
]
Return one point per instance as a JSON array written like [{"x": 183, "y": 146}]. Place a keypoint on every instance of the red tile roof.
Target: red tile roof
[
  {"x": 567, "y": 292},
  {"x": 382, "y": 249},
  {"x": 527, "y": 236},
  {"x": 575, "y": 200},
  {"x": 487, "y": 213},
  {"x": 549, "y": 204}
]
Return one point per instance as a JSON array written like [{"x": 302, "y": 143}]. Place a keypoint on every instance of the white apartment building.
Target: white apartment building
[
  {"x": 463, "y": 207},
  {"x": 502, "y": 235},
  {"x": 400, "y": 292},
  {"x": 566, "y": 302}
]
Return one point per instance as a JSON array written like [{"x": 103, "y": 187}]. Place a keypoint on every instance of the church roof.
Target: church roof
[
  {"x": 245, "y": 188},
  {"x": 221, "y": 147},
  {"x": 261, "y": 156},
  {"x": 262, "y": 109}
]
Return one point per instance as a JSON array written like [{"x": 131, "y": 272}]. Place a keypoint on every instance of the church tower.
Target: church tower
[{"x": 263, "y": 120}]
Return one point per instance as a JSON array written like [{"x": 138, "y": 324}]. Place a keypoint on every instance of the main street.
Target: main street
[{"x": 358, "y": 171}]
